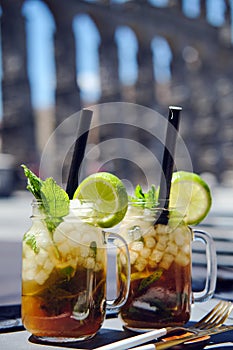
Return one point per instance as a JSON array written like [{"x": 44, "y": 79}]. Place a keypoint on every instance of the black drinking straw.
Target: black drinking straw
[
  {"x": 79, "y": 151},
  {"x": 168, "y": 160}
]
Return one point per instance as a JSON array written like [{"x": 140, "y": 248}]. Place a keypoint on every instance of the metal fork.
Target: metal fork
[
  {"x": 203, "y": 336},
  {"x": 215, "y": 318},
  {"x": 208, "y": 325}
]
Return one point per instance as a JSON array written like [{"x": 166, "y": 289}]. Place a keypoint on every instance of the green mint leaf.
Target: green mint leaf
[
  {"x": 139, "y": 197},
  {"x": 146, "y": 282},
  {"x": 52, "y": 223},
  {"x": 68, "y": 272},
  {"x": 93, "y": 247},
  {"x": 138, "y": 192},
  {"x": 30, "y": 240},
  {"x": 145, "y": 200},
  {"x": 55, "y": 200},
  {"x": 152, "y": 197},
  {"x": 34, "y": 182}
]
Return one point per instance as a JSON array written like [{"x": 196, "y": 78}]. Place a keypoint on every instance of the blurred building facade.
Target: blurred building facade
[{"x": 201, "y": 78}]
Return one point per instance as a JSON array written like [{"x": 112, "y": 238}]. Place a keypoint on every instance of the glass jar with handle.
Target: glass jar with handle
[
  {"x": 161, "y": 268},
  {"x": 64, "y": 275}
]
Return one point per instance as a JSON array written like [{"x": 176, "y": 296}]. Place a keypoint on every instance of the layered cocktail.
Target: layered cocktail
[
  {"x": 160, "y": 247},
  {"x": 63, "y": 278},
  {"x": 64, "y": 265},
  {"x": 160, "y": 255},
  {"x": 65, "y": 257}
]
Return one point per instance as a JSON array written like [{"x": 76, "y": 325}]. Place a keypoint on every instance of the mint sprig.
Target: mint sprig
[
  {"x": 143, "y": 199},
  {"x": 146, "y": 282},
  {"x": 34, "y": 182},
  {"x": 54, "y": 200},
  {"x": 30, "y": 240}
]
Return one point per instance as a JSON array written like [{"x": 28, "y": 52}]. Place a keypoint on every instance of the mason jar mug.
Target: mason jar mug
[
  {"x": 64, "y": 276},
  {"x": 161, "y": 268}
]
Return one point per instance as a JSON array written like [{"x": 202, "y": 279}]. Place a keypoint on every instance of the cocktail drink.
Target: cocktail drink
[
  {"x": 160, "y": 248},
  {"x": 63, "y": 278},
  {"x": 160, "y": 255},
  {"x": 64, "y": 268},
  {"x": 65, "y": 256}
]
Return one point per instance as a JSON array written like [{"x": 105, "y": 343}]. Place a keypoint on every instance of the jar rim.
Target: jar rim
[
  {"x": 83, "y": 201},
  {"x": 74, "y": 205},
  {"x": 153, "y": 205}
]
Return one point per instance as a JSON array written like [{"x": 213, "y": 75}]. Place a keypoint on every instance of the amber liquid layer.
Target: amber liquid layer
[
  {"x": 65, "y": 307},
  {"x": 164, "y": 302}
]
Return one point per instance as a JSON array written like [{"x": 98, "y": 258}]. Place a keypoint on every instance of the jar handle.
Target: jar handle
[
  {"x": 211, "y": 260},
  {"x": 122, "y": 273}
]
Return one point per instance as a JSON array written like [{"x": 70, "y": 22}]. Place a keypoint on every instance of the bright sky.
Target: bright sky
[{"x": 41, "y": 68}]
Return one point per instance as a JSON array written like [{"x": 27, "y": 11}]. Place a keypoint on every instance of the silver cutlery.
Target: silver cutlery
[
  {"x": 211, "y": 321},
  {"x": 202, "y": 336}
]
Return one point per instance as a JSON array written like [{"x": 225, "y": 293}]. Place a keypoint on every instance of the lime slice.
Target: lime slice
[
  {"x": 109, "y": 196},
  {"x": 191, "y": 196}
]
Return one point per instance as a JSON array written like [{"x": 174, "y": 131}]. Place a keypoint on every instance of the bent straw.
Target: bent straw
[
  {"x": 79, "y": 151},
  {"x": 168, "y": 159}
]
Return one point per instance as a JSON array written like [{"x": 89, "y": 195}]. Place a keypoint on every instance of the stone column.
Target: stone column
[
  {"x": 145, "y": 94},
  {"x": 67, "y": 91},
  {"x": 17, "y": 124},
  {"x": 109, "y": 77}
]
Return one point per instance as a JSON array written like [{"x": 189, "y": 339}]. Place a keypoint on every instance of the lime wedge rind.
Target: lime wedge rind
[
  {"x": 191, "y": 194},
  {"x": 109, "y": 196}
]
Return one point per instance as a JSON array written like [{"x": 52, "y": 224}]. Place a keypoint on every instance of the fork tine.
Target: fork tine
[
  {"x": 209, "y": 315},
  {"x": 216, "y": 316},
  {"x": 221, "y": 318}
]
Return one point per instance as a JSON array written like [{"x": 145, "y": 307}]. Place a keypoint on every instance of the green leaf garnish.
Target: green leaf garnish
[
  {"x": 93, "y": 247},
  {"x": 145, "y": 282},
  {"x": 30, "y": 240},
  {"x": 52, "y": 223},
  {"x": 34, "y": 182},
  {"x": 139, "y": 192},
  {"x": 54, "y": 200},
  {"x": 67, "y": 272},
  {"x": 146, "y": 200}
]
